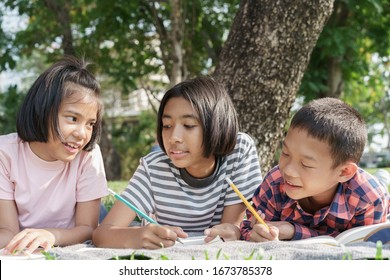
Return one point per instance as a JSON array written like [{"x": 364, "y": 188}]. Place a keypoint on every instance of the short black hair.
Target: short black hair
[
  {"x": 216, "y": 111},
  {"x": 333, "y": 121},
  {"x": 38, "y": 114}
]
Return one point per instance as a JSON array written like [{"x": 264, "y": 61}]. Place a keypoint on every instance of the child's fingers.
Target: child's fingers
[
  {"x": 157, "y": 236},
  {"x": 226, "y": 231},
  {"x": 179, "y": 231},
  {"x": 39, "y": 241},
  {"x": 254, "y": 220},
  {"x": 260, "y": 233},
  {"x": 210, "y": 233},
  {"x": 274, "y": 231},
  {"x": 20, "y": 242}
]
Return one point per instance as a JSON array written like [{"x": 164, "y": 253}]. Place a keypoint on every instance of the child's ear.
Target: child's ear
[{"x": 348, "y": 170}]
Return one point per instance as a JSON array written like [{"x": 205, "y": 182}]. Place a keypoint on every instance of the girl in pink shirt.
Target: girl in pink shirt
[{"x": 51, "y": 171}]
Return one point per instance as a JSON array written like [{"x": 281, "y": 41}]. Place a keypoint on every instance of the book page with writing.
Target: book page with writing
[{"x": 197, "y": 240}]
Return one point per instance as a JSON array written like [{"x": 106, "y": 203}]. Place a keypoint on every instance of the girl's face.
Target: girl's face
[
  {"x": 182, "y": 135},
  {"x": 76, "y": 117}
]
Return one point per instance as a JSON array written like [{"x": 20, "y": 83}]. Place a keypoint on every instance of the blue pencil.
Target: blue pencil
[
  {"x": 135, "y": 209},
  {"x": 132, "y": 207}
]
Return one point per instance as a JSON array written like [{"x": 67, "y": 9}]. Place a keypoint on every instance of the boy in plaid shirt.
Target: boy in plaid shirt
[{"x": 317, "y": 188}]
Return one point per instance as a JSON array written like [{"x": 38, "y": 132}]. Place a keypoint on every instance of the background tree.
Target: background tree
[
  {"x": 141, "y": 44},
  {"x": 263, "y": 62},
  {"x": 351, "y": 61},
  {"x": 130, "y": 41},
  {"x": 342, "y": 57}
]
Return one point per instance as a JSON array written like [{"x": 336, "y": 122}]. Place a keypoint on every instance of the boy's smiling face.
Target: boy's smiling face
[{"x": 307, "y": 168}]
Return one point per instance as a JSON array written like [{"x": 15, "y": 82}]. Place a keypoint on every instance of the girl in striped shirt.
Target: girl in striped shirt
[{"x": 184, "y": 185}]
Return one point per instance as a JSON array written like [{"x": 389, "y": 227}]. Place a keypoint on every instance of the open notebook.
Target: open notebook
[
  {"x": 197, "y": 240},
  {"x": 34, "y": 256},
  {"x": 370, "y": 233}
]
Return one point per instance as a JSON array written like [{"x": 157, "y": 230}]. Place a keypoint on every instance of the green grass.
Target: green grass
[
  {"x": 116, "y": 186},
  {"x": 373, "y": 170}
]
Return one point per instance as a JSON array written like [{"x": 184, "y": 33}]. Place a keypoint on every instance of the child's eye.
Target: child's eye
[
  {"x": 189, "y": 126},
  {"x": 306, "y": 166},
  {"x": 284, "y": 154},
  {"x": 71, "y": 118},
  {"x": 91, "y": 124},
  {"x": 166, "y": 126}
]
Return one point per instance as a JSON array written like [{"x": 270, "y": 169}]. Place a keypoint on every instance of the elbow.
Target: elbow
[{"x": 96, "y": 240}]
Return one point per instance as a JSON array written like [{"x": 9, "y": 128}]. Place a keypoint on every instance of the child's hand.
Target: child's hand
[
  {"x": 260, "y": 233},
  {"x": 29, "y": 240},
  {"x": 156, "y": 236},
  {"x": 226, "y": 231}
]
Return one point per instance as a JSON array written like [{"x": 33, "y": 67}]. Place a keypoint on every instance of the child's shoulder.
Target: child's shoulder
[
  {"x": 10, "y": 142},
  {"x": 155, "y": 158},
  {"x": 365, "y": 185},
  {"x": 10, "y": 139},
  {"x": 362, "y": 177},
  {"x": 244, "y": 142},
  {"x": 243, "y": 137}
]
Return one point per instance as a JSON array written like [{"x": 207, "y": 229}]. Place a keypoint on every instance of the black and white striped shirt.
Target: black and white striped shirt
[{"x": 176, "y": 199}]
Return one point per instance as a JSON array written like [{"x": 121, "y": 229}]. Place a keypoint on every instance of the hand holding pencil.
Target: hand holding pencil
[
  {"x": 138, "y": 211},
  {"x": 247, "y": 204}
]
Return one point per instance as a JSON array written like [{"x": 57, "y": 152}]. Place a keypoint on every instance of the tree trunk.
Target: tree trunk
[
  {"x": 335, "y": 82},
  {"x": 177, "y": 42},
  {"x": 263, "y": 62},
  {"x": 61, "y": 12},
  {"x": 171, "y": 41},
  {"x": 111, "y": 158}
]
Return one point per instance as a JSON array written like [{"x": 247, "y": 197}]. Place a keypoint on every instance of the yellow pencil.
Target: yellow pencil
[{"x": 247, "y": 204}]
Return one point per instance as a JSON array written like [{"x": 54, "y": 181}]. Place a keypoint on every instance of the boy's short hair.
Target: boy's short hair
[
  {"x": 333, "y": 121},
  {"x": 216, "y": 111},
  {"x": 38, "y": 114}
]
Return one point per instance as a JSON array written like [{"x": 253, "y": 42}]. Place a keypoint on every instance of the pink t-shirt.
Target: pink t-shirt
[{"x": 46, "y": 192}]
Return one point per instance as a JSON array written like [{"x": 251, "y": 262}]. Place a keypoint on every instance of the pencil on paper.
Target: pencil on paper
[
  {"x": 247, "y": 204},
  {"x": 135, "y": 209}
]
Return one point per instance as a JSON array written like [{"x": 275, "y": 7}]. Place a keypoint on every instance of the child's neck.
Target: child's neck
[
  {"x": 314, "y": 203},
  {"x": 203, "y": 170}
]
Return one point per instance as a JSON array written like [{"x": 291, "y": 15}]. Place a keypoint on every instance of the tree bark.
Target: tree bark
[
  {"x": 111, "y": 158},
  {"x": 171, "y": 41},
  {"x": 177, "y": 42},
  {"x": 61, "y": 11},
  {"x": 263, "y": 61}
]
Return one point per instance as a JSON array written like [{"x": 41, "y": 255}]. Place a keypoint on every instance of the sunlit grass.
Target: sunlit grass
[{"x": 116, "y": 186}]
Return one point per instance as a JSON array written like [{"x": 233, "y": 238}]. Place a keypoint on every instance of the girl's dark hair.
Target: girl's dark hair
[
  {"x": 332, "y": 121},
  {"x": 217, "y": 114},
  {"x": 38, "y": 114}
]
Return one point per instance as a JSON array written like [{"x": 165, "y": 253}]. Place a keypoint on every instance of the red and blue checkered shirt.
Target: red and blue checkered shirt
[{"x": 357, "y": 202}]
